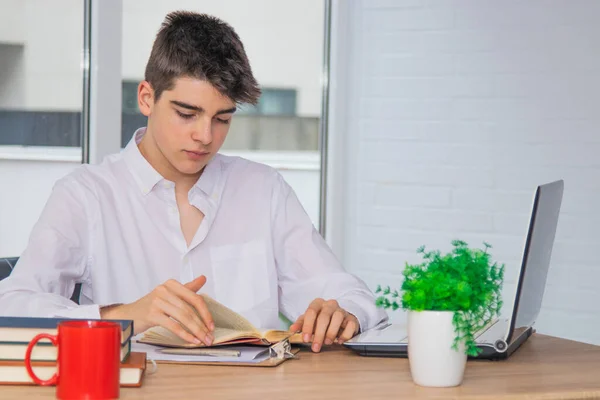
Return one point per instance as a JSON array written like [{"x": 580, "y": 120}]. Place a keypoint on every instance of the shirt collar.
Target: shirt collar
[
  {"x": 144, "y": 174},
  {"x": 209, "y": 178},
  {"x": 146, "y": 177}
]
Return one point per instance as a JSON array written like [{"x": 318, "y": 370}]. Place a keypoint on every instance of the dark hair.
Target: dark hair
[{"x": 203, "y": 47}]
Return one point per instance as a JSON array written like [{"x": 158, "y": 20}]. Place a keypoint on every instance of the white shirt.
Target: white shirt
[{"x": 115, "y": 228}]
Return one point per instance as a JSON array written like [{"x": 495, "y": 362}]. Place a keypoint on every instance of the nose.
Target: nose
[{"x": 203, "y": 131}]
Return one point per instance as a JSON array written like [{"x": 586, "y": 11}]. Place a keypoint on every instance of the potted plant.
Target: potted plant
[{"x": 449, "y": 298}]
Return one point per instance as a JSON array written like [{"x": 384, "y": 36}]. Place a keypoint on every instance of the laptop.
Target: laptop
[{"x": 501, "y": 337}]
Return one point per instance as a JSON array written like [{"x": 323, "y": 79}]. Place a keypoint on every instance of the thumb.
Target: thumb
[{"x": 196, "y": 284}]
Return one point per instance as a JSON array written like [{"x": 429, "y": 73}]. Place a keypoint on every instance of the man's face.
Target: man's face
[{"x": 188, "y": 124}]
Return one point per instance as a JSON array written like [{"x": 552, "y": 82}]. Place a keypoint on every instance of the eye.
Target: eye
[
  {"x": 183, "y": 115},
  {"x": 223, "y": 121}
]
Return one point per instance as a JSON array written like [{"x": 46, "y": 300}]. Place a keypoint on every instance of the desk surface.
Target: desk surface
[{"x": 544, "y": 367}]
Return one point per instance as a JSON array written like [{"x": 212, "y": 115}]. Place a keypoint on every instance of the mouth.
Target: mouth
[{"x": 196, "y": 155}]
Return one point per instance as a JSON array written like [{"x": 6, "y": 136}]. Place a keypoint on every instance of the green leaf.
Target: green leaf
[{"x": 464, "y": 280}]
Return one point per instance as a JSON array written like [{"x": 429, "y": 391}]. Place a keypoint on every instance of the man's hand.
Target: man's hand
[
  {"x": 327, "y": 322},
  {"x": 166, "y": 302}
]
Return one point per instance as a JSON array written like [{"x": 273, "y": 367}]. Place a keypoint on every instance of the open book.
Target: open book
[{"x": 230, "y": 328}]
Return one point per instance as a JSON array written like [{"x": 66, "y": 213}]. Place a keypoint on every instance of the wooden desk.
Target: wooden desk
[{"x": 544, "y": 367}]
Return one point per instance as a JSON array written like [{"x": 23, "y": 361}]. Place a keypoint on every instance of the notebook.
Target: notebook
[
  {"x": 24, "y": 329},
  {"x": 252, "y": 356},
  {"x": 17, "y": 332},
  {"x": 43, "y": 351},
  {"x": 15, "y": 373}
]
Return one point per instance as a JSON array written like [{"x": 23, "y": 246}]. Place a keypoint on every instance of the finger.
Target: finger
[
  {"x": 162, "y": 318},
  {"x": 310, "y": 317},
  {"x": 188, "y": 318},
  {"x": 196, "y": 284},
  {"x": 297, "y": 326},
  {"x": 196, "y": 301},
  {"x": 341, "y": 330},
  {"x": 323, "y": 321},
  {"x": 166, "y": 322},
  {"x": 334, "y": 326},
  {"x": 349, "y": 330},
  {"x": 174, "y": 307}
]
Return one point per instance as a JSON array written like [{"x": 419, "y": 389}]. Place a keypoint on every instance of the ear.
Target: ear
[{"x": 145, "y": 98}]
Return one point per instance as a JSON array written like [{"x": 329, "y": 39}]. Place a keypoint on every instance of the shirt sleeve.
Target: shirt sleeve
[
  {"x": 55, "y": 258},
  {"x": 307, "y": 268}
]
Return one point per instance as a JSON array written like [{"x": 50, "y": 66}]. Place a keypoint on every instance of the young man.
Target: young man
[{"x": 150, "y": 227}]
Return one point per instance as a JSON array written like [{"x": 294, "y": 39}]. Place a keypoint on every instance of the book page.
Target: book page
[
  {"x": 274, "y": 336},
  {"x": 227, "y": 318},
  {"x": 225, "y": 335},
  {"x": 164, "y": 337}
]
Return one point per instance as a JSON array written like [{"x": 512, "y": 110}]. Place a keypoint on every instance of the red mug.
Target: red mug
[{"x": 89, "y": 360}]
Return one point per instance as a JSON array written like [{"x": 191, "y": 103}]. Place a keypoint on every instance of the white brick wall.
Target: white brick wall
[{"x": 445, "y": 116}]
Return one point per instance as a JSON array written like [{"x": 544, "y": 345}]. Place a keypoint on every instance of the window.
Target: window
[
  {"x": 273, "y": 101},
  {"x": 132, "y": 118},
  {"x": 41, "y": 86},
  {"x": 40, "y": 73}
]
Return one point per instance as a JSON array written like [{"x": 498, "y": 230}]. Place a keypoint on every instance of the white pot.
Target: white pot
[{"x": 433, "y": 361}]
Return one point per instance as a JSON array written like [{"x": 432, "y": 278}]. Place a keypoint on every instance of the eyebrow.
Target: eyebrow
[{"x": 200, "y": 109}]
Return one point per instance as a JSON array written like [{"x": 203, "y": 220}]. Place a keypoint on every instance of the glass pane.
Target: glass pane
[
  {"x": 41, "y": 83},
  {"x": 284, "y": 42}
]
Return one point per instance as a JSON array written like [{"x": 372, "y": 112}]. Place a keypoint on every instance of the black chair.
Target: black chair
[{"x": 7, "y": 265}]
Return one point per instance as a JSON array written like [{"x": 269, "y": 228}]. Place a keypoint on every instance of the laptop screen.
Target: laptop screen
[{"x": 537, "y": 254}]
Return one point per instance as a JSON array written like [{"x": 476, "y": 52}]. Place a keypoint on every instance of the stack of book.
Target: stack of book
[{"x": 17, "y": 332}]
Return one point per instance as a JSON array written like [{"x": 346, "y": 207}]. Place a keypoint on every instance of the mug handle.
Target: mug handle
[{"x": 32, "y": 374}]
